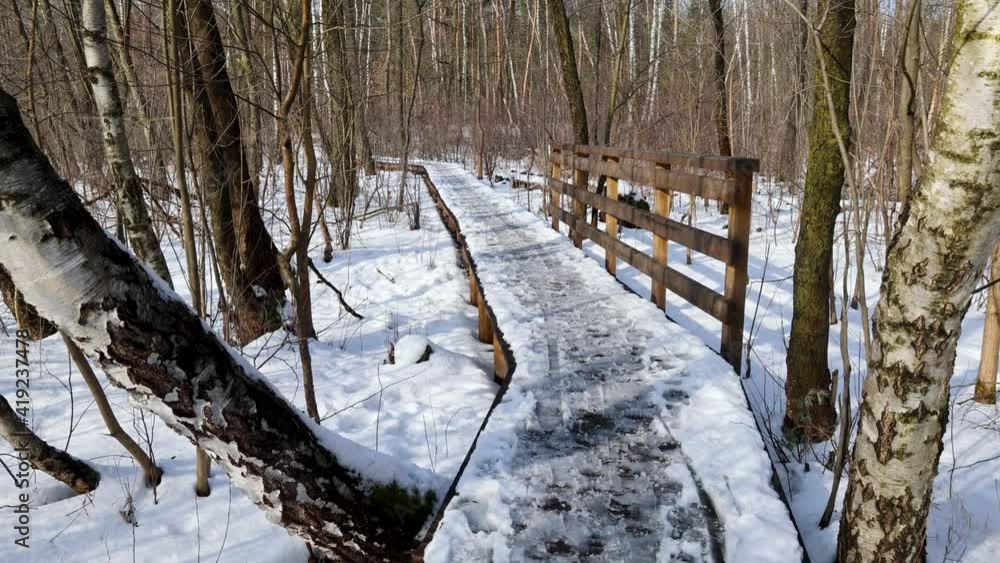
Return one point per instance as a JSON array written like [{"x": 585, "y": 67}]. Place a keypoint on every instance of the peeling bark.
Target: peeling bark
[
  {"x": 26, "y": 316},
  {"x": 948, "y": 229},
  {"x": 153, "y": 345}
]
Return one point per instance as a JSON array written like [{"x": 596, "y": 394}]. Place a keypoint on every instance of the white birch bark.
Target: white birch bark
[
  {"x": 948, "y": 230},
  {"x": 115, "y": 141}
]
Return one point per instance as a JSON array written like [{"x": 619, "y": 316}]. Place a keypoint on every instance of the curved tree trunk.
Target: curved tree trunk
[
  {"x": 151, "y": 343},
  {"x": 28, "y": 447},
  {"x": 130, "y": 201},
  {"x": 949, "y": 227},
  {"x": 809, "y": 412}
]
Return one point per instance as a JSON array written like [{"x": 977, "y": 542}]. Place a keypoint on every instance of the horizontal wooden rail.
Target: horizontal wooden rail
[
  {"x": 725, "y": 179},
  {"x": 720, "y": 189},
  {"x": 678, "y": 159},
  {"x": 690, "y": 290},
  {"x": 704, "y": 242}
]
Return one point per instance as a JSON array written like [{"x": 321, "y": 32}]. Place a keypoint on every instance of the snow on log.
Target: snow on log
[{"x": 346, "y": 501}]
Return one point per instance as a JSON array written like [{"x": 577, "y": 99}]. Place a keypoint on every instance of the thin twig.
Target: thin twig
[{"x": 340, "y": 296}]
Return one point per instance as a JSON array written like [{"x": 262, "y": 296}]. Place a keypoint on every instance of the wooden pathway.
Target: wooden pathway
[{"x": 599, "y": 449}]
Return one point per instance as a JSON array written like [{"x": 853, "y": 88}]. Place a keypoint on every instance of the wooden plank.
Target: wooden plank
[
  {"x": 736, "y": 275},
  {"x": 611, "y": 222},
  {"x": 661, "y": 207},
  {"x": 688, "y": 289},
  {"x": 720, "y": 189},
  {"x": 473, "y": 289},
  {"x": 677, "y": 159},
  {"x": 707, "y": 243},
  {"x": 500, "y": 367},
  {"x": 554, "y": 196},
  {"x": 485, "y": 325},
  {"x": 581, "y": 179}
]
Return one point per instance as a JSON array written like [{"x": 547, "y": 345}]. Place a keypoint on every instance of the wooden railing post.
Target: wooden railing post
[
  {"x": 661, "y": 206},
  {"x": 555, "y": 197},
  {"x": 736, "y": 270},
  {"x": 485, "y": 326},
  {"x": 611, "y": 222},
  {"x": 580, "y": 178}
]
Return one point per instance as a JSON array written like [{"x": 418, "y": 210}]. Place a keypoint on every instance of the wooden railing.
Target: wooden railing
[{"x": 729, "y": 180}]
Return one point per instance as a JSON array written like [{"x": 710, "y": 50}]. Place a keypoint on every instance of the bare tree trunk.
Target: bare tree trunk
[
  {"x": 298, "y": 240},
  {"x": 790, "y": 151},
  {"x": 30, "y": 449},
  {"x": 910, "y": 67},
  {"x": 721, "y": 93},
  {"x": 809, "y": 411},
  {"x": 116, "y": 148},
  {"x": 948, "y": 231},
  {"x": 570, "y": 76},
  {"x": 248, "y": 256},
  {"x": 150, "y": 342},
  {"x": 986, "y": 382},
  {"x": 150, "y": 470},
  {"x": 202, "y": 461}
]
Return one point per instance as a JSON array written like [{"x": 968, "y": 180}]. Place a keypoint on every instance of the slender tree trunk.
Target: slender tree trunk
[
  {"x": 150, "y": 470},
  {"x": 131, "y": 205},
  {"x": 202, "y": 462},
  {"x": 910, "y": 68},
  {"x": 151, "y": 343},
  {"x": 790, "y": 145},
  {"x": 949, "y": 227},
  {"x": 298, "y": 240},
  {"x": 986, "y": 383},
  {"x": 721, "y": 92},
  {"x": 809, "y": 411},
  {"x": 570, "y": 76},
  {"x": 30, "y": 449}
]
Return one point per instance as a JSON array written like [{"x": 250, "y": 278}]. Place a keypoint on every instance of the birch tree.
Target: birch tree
[
  {"x": 116, "y": 148},
  {"x": 948, "y": 230}
]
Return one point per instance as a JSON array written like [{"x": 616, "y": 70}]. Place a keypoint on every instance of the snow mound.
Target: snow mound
[{"x": 413, "y": 349}]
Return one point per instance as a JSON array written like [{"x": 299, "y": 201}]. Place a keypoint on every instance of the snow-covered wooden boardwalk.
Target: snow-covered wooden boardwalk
[{"x": 620, "y": 437}]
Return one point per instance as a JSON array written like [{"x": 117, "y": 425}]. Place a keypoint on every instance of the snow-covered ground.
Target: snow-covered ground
[
  {"x": 965, "y": 516},
  {"x": 407, "y": 285}
]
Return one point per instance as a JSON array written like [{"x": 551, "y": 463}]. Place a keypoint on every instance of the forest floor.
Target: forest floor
[
  {"x": 965, "y": 513},
  {"x": 408, "y": 286}
]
